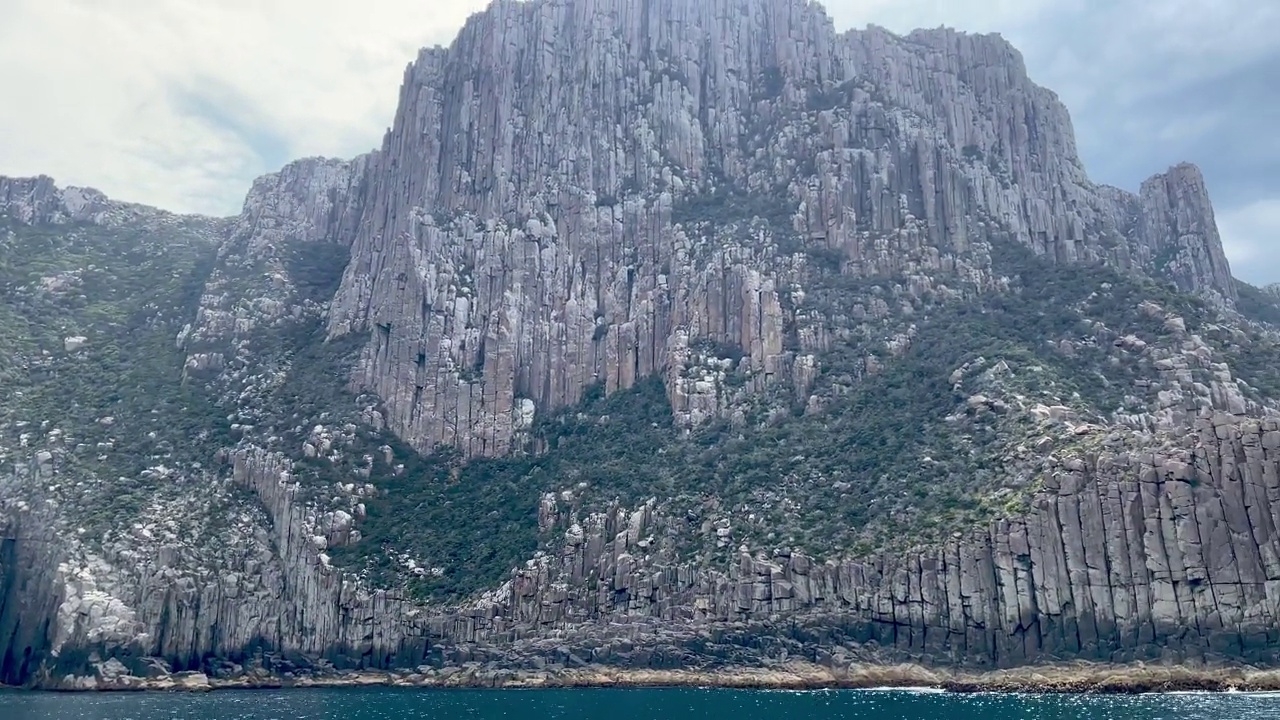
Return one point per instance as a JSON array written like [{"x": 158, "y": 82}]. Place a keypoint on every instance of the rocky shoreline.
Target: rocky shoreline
[
  {"x": 783, "y": 210},
  {"x": 1065, "y": 678}
]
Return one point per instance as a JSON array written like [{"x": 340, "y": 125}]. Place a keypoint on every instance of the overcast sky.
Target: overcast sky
[{"x": 181, "y": 103}]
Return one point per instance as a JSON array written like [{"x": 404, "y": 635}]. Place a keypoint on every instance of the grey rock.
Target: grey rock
[
  {"x": 523, "y": 235},
  {"x": 1123, "y": 559},
  {"x": 494, "y": 273}
]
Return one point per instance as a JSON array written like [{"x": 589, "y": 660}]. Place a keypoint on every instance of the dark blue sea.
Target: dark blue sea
[{"x": 618, "y": 704}]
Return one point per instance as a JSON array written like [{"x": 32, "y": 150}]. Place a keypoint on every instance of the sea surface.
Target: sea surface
[{"x": 618, "y": 704}]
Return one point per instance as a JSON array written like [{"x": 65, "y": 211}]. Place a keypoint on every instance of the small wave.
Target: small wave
[
  {"x": 1228, "y": 691},
  {"x": 921, "y": 690}
]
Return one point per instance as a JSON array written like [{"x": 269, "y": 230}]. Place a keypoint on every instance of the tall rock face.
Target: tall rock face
[
  {"x": 753, "y": 340},
  {"x": 534, "y": 225},
  {"x": 1121, "y": 553},
  {"x": 1124, "y": 555},
  {"x": 30, "y": 199},
  {"x": 1178, "y": 224}
]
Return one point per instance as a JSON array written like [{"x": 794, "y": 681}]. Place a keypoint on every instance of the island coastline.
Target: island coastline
[{"x": 795, "y": 676}]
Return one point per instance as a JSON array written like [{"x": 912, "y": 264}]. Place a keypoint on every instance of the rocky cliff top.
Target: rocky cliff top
[{"x": 38, "y": 200}]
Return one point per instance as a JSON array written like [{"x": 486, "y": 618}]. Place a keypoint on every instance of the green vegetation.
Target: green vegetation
[
  {"x": 1258, "y": 305},
  {"x": 728, "y": 206},
  {"x": 478, "y": 520},
  {"x": 888, "y": 452},
  {"x": 972, "y": 152},
  {"x": 896, "y": 457},
  {"x": 1056, "y": 302},
  {"x": 824, "y": 99},
  {"x": 118, "y": 400},
  {"x": 853, "y": 476},
  {"x": 315, "y": 268}
]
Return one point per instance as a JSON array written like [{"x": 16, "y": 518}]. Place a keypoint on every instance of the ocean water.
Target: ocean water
[{"x": 618, "y": 704}]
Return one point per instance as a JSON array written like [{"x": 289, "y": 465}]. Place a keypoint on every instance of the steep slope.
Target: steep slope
[
  {"x": 94, "y": 413},
  {"x": 710, "y": 336},
  {"x": 586, "y": 218}
]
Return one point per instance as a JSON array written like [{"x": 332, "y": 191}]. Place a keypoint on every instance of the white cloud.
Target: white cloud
[{"x": 109, "y": 90}]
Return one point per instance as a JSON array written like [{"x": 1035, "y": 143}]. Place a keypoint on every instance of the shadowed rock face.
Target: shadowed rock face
[{"x": 594, "y": 191}]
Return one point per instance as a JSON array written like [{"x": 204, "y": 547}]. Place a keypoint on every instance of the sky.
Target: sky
[{"x": 181, "y": 103}]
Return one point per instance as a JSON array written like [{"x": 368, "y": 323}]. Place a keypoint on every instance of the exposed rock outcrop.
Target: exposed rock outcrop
[
  {"x": 1179, "y": 234},
  {"x": 528, "y": 232},
  {"x": 594, "y": 192},
  {"x": 1125, "y": 555},
  {"x": 39, "y": 200},
  {"x": 294, "y": 231}
]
